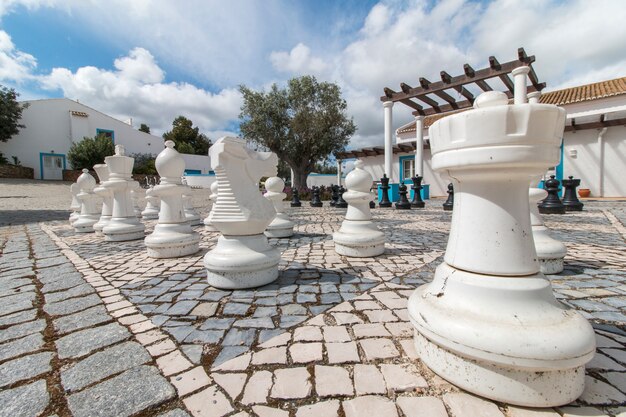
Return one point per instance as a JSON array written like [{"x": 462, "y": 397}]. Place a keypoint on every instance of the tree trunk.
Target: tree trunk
[{"x": 299, "y": 177}]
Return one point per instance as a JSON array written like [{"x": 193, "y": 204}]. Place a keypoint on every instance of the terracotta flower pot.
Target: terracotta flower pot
[{"x": 584, "y": 192}]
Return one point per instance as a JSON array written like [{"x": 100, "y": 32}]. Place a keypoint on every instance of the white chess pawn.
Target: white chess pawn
[
  {"x": 172, "y": 236},
  {"x": 136, "y": 195},
  {"x": 75, "y": 204},
  {"x": 489, "y": 322},
  {"x": 89, "y": 213},
  {"x": 151, "y": 211},
  {"x": 281, "y": 226},
  {"x": 107, "y": 198},
  {"x": 213, "y": 197},
  {"x": 190, "y": 214},
  {"x": 123, "y": 225},
  {"x": 549, "y": 250},
  {"x": 242, "y": 258},
  {"x": 359, "y": 236}
]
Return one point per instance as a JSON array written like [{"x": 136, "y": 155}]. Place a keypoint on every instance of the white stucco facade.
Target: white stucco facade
[{"x": 53, "y": 125}]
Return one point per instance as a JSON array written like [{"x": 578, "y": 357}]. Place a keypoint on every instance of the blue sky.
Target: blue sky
[{"x": 151, "y": 60}]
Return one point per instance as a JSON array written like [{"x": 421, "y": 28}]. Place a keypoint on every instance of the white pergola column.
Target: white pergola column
[
  {"x": 419, "y": 145},
  {"x": 388, "y": 109},
  {"x": 339, "y": 172}
]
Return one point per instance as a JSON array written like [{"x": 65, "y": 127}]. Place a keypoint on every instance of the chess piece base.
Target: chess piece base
[
  {"x": 384, "y": 204},
  {"x": 549, "y": 251},
  {"x": 121, "y": 229},
  {"x": 359, "y": 239},
  {"x": 552, "y": 210},
  {"x": 403, "y": 206},
  {"x": 85, "y": 223},
  {"x": 103, "y": 221},
  {"x": 239, "y": 262},
  {"x": 316, "y": 204},
  {"x": 504, "y": 338},
  {"x": 172, "y": 241},
  {"x": 295, "y": 204},
  {"x": 281, "y": 226},
  {"x": 194, "y": 220},
  {"x": 74, "y": 217},
  {"x": 573, "y": 206},
  {"x": 150, "y": 215},
  {"x": 420, "y": 204}
]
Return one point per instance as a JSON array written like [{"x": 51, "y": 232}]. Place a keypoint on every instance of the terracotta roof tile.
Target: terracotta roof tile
[{"x": 586, "y": 92}]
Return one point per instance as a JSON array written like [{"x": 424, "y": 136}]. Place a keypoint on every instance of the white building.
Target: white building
[
  {"x": 593, "y": 150},
  {"x": 53, "y": 125}
]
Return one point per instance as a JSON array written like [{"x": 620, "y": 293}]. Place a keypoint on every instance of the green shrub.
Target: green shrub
[
  {"x": 144, "y": 164},
  {"x": 90, "y": 151}
]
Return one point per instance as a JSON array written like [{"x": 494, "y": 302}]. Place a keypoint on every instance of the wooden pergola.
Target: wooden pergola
[
  {"x": 421, "y": 99},
  {"x": 377, "y": 150}
]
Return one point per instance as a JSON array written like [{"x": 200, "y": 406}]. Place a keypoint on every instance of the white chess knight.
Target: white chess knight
[
  {"x": 549, "y": 250},
  {"x": 358, "y": 235},
  {"x": 75, "y": 204},
  {"x": 242, "y": 258},
  {"x": 89, "y": 213},
  {"x": 281, "y": 226},
  {"x": 152, "y": 205},
  {"x": 489, "y": 322},
  {"x": 213, "y": 197},
  {"x": 123, "y": 225},
  {"x": 107, "y": 198},
  {"x": 172, "y": 236}
]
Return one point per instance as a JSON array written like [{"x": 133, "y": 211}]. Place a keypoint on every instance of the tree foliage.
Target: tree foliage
[
  {"x": 90, "y": 151},
  {"x": 10, "y": 113},
  {"x": 144, "y": 128},
  {"x": 187, "y": 138},
  {"x": 303, "y": 123},
  {"x": 144, "y": 164}
]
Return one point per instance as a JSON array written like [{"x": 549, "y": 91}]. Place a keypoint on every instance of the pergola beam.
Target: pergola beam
[{"x": 602, "y": 123}]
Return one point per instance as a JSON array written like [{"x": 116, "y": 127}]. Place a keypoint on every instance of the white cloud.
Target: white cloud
[
  {"x": 135, "y": 89},
  {"x": 298, "y": 61},
  {"x": 15, "y": 65}
]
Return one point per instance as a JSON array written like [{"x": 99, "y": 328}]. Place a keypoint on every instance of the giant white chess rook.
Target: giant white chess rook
[
  {"x": 172, "y": 236},
  {"x": 242, "y": 258},
  {"x": 550, "y": 251},
  {"x": 489, "y": 322},
  {"x": 107, "y": 198},
  {"x": 89, "y": 213},
  {"x": 359, "y": 236},
  {"x": 281, "y": 226},
  {"x": 123, "y": 225}
]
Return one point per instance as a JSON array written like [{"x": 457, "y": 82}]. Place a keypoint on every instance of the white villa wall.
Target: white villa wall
[
  {"x": 51, "y": 128},
  {"x": 201, "y": 163}
]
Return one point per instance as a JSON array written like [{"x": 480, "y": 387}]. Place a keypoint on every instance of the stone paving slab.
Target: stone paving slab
[{"x": 329, "y": 337}]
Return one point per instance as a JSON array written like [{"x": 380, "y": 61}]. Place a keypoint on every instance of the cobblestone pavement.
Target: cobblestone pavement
[{"x": 89, "y": 328}]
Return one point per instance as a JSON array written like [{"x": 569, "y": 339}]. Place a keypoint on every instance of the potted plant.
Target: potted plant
[{"x": 584, "y": 192}]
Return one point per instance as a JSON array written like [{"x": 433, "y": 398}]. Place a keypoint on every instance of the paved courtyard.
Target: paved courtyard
[{"x": 89, "y": 328}]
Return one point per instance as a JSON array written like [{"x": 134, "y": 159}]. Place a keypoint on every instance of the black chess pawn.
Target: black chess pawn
[
  {"x": 315, "y": 199},
  {"x": 372, "y": 204},
  {"x": 552, "y": 203},
  {"x": 449, "y": 204},
  {"x": 295, "y": 198},
  {"x": 570, "y": 200},
  {"x": 341, "y": 203},
  {"x": 417, "y": 201},
  {"x": 384, "y": 186},
  {"x": 404, "y": 203},
  {"x": 333, "y": 195}
]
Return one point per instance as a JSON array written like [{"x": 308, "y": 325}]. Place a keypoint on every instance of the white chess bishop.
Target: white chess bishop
[
  {"x": 550, "y": 251},
  {"x": 107, "y": 198},
  {"x": 213, "y": 197},
  {"x": 489, "y": 322},
  {"x": 359, "y": 236},
  {"x": 242, "y": 258},
  {"x": 281, "y": 226},
  {"x": 172, "y": 236},
  {"x": 89, "y": 213},
  {"x": 124, "y": 224}
]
